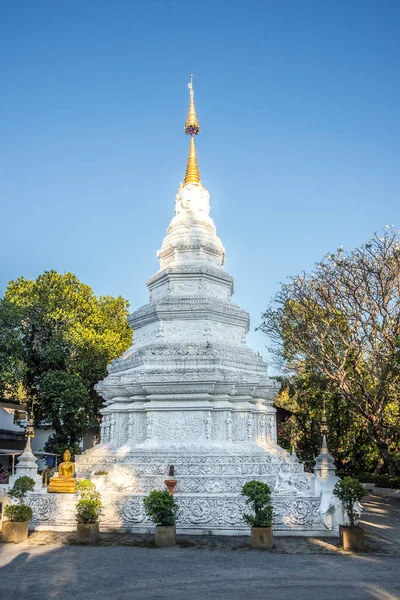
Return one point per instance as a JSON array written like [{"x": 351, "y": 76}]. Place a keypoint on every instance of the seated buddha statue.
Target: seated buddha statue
[{"x": 64, "y": 481}]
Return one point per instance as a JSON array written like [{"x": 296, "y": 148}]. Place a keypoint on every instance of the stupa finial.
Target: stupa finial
[
  {"x": 192, "y": 125},
  {"x": 324, "y": 420},
  {"x": 192, "y": 128},
  {"x": 324, "y": 463}
]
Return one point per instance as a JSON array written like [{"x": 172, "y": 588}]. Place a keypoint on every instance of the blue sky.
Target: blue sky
[{"x": 299, "y": 107}]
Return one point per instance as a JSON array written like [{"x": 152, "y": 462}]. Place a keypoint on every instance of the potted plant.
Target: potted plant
[
  {"x": 88, "y": 511},
  {"x": 258, "y": 495},
  {"x": 350, "y": 491},
  {"x": 15, "y": 528},
  {"x": 161, "y": 508}
]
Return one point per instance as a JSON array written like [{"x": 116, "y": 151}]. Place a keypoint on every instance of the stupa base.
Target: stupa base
[
  {"x": 198, "y": 514},
  {"x": 209, "y": 481}
]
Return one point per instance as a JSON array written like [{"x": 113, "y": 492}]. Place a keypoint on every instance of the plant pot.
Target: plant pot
[
  {"x": 14, "y": 531},
  {"x": 261, "y": 537},
  {"x": 352, "y": 538},
  {"x": 87, "y": 533},
  {"x": 171, "y": 485},
  {"x": 165, "y": 536}
]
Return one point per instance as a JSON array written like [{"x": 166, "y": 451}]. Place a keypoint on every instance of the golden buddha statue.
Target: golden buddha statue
[{"x": 64, "y": 482}]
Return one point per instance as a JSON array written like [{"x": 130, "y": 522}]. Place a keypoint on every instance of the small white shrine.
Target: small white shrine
[{"x": 190, "y": 393}]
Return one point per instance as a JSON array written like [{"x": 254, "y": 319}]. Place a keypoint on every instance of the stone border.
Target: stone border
[
  {"x": 381, "y": 491},
  {"x": 386, "y": 492}
]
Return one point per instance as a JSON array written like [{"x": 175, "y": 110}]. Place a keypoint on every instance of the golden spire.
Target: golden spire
[
  {"x": 192, "y": 174},
  {"x": 192, "y": 128}
]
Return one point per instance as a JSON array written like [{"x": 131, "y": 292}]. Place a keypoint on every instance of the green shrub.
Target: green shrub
[
  {"x": 18, "y": 513},
  {"x": 161, "y": 507},
  {"x": 385, "y": 481},
  {"x": 89, "y": 505},
  {"x": 258, "y": 495},
  {"x": 88, "y": 510},
  {"x": 394, "y": 483},
  {"x": 87, "y": 489},
  {"x": 362, "y": 476},
  {"x": 21, "y": 486},
  {"x": 349, "y": 491},
  {"x": 380, "y": 480},
  {"x": 101, "y": 472}
]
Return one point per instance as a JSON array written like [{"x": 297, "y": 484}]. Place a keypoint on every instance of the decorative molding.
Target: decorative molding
[{"x": 125, "y": 510}]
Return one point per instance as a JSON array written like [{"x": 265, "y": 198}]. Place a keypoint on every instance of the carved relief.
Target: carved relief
[
  {"x": 178, "y": 426},
  {"x": 126, "y": 510},
  {"x": 131, "y": 422},
  {"x": 229, "y": 422},
  {"x": 185, "y": 287},
  {"x": 209, "y": 421},
  {"x": 123, "y": 427},
  {"x": 250, "y": 427},
  {"x": 112, "y": 425},
  {"x": 103, "y": 430},
  {"x": 239, "y": 427},
  {"x": 263, "y": 424},
  {"x": 148, "y": 426},
  {"x": 43, "y": 506}
]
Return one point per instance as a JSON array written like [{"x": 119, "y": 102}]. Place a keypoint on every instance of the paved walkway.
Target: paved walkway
[
  {"x": 381, "y": 521},
  {"x": 131, "y": 573},
  {"x": 216, "y": 571}
]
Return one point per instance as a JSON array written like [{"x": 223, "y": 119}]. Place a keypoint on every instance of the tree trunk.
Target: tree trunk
[{"x": 383, "y": 448}]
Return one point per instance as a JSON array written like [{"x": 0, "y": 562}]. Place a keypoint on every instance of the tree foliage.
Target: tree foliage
[
  {"x": 343, "y": 321},
  {"x": 56, "y": 340},
  {"x": 18, "y": 513},
  {"x": 21, "y": 487},
  {"x": 303, "y": 394}
]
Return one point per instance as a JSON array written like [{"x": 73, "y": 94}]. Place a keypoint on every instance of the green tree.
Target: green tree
[
  {"x": 21, "y": 487},
  {"x": 343, "y": 320},
  {"x": 56, "y": 340},
  {"x": 304, "y": 394}
]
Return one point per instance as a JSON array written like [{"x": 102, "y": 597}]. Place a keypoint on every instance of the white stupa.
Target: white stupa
[{"x": 190, "y": 393}]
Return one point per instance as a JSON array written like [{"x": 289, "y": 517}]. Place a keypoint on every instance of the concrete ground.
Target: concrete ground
[
  {"x": 381, "y": 521},
  {"x": 52, "y": 567}
]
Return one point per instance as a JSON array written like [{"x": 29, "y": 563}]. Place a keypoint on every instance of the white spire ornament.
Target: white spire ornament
[{"x": 27, "y": 464}]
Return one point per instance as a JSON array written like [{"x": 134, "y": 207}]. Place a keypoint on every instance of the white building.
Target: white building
[{"x": 189, "y": 392}]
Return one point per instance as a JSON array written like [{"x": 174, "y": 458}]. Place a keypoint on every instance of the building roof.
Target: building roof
[{"x": 12, "y": 405}]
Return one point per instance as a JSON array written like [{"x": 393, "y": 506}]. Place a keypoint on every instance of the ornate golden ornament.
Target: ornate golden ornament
[{"x": 192, "y": 128}]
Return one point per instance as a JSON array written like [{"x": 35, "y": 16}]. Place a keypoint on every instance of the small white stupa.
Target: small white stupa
[{"x": 27, "y": 464}]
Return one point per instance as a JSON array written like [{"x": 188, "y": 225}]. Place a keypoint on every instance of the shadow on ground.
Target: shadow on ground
[{"x": 52, "y": 566}]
